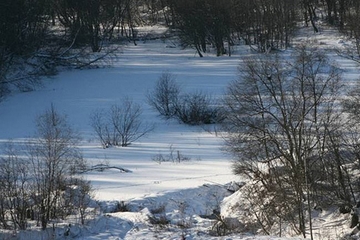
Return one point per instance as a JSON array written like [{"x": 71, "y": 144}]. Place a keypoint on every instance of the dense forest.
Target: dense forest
[{"x": 37, "y": 36}]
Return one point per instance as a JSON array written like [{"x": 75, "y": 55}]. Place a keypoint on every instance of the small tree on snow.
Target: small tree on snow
[
  {"x": 126, "y": 120},
  {"x": 54, "y": 161},
  {"x": 99, "y": 122},
  {"x": 165, "y": 95},
  {"x": 121, "y": 125}
]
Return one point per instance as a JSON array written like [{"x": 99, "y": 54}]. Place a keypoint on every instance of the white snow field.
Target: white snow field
[{"x": 183, "y": 192}]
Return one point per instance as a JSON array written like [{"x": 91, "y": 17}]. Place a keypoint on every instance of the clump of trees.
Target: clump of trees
[
  {"x": 121, "y": 125},
  {"x": 190, "y": 108},
  {"x": 286, "y": 129},
  {"x": 40, "y": 183}
]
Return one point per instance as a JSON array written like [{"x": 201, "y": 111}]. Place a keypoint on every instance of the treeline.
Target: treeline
[
  {"x": 30, "y": 24},
  {"x": 37, "y": 36},
  {"x": 42, "y": 34},
  {"x": 220, "y": 24},
  {"x": 266, "y": 24}
]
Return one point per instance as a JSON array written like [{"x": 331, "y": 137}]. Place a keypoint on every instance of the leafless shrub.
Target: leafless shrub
[
  {"x": 157, "y": 216},
  {"x": 193, "y": 109},
  {"x": 219, "y": 227},
  {"x": 100, "y": 125},
  {"x": 197, "y": 108},
  {"x": 159, "y": 219},
  {"x": 121, "y": 125},
  {"x": 223, "y": 226},
  {"x": 159, "y": 158},
  {"x": 158, "y": 209},
  {"x": 121, "y": 206},
  {"x": 165, "y": 95},
  {"x": 14, "y": 189},
  {"x": 174, "y": 156}
]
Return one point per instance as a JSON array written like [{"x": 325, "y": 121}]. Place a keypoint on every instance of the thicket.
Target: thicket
[{"x": 121, "y": 125}]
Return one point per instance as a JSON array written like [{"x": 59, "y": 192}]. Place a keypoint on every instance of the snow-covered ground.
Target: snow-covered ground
[
  {"x": 186, "y": 193},
  {"x": 79, "y": 93}
]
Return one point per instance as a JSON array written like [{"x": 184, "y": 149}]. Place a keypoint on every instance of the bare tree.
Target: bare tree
[
  {"x": 279, "y": 117},
  {"x": 54, "y": 161},
  {"x": 15, "y": 189},
  {"x": 121, "y": 125},
  {"x": 165, "y": 95},
  {"x": 126, "y": 120},
  {"x": 99, "y": 122}
]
